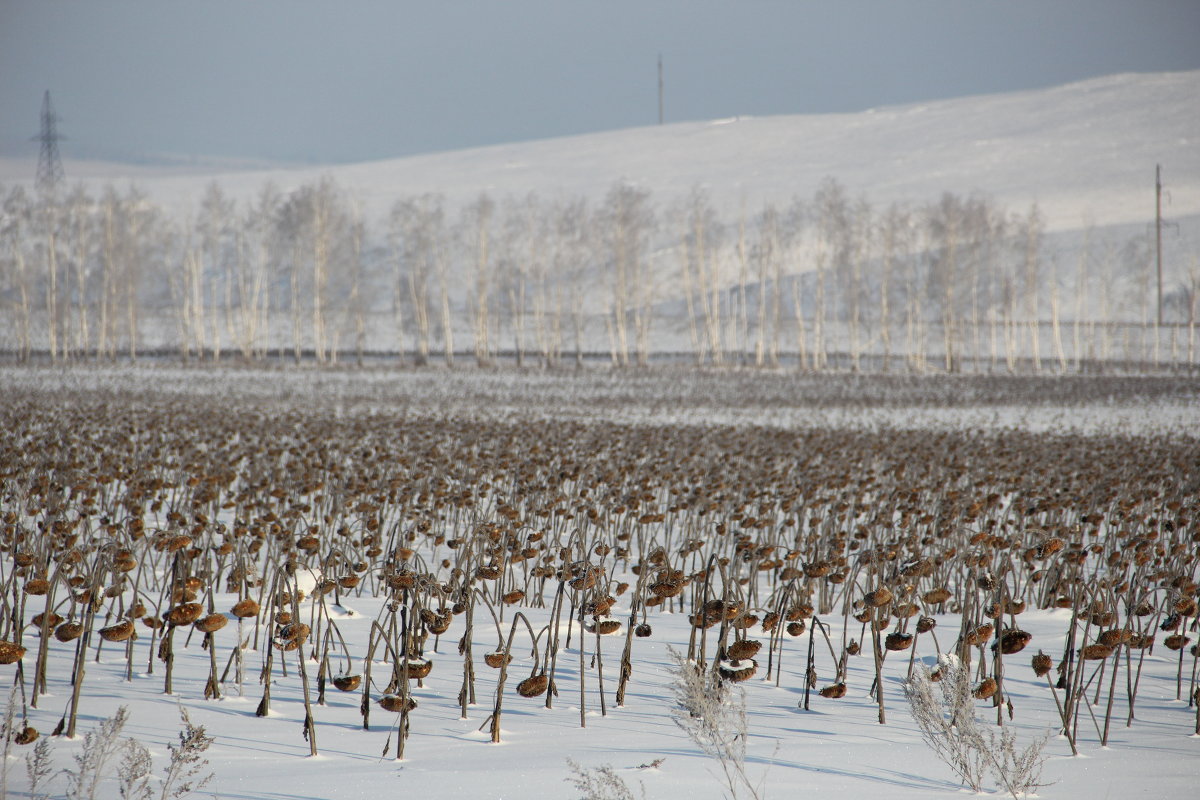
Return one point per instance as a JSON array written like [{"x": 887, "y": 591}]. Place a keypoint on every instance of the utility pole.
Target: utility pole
[
  {"x": 1158, "y": 234},
  {"x": 660, "y": 90},
  {"x": 49, "y": 168}
]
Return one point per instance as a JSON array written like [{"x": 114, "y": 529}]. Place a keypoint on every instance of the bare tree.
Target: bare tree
[
  {"x": 562, "y": 279},
  {"x": 1192, "y": 296},
  {"x": 477, "y": 220},
  {"x": 1081, "y": 282},
  {"x": 794, "y": 247},
  {"x": 416, "y": 227},
  {"x": 988, "y": 279},
  {"x": 627, "y": 220},
  {"x": 702, "y": 246},
  {"x": 859, "y": 246},
  {"x": 1031, "y": 229},
  {"x": 357, "y": 303},
  {"x": 313, "y": 223},
  {"x": 147, "y": 236},
  {"x": 436, "y": 237},
  {"x": 188, "y": 290},
  {"x": 324, "y": 211},
  {"x": 214, "y": 227},
  {"x": 15, "y": 224},
  {"x": 517, "y": 260},
  {"x": 985, "y": 234},
  {"x": 767, "y": 259},
  {"x": 741, "y": 311},
  {"x": 572, "y": 265},
  {"x": 832, "y": 254},
  {"x": 943, "y": 231},
  {"x": 49, "y": 221},
  {"x": 253, "y": 270},
  {"x": 546, "y": 298},
  {"x": 111, "y": 213},
  {"x": 290, "y": 225},
  {"x": 78, "y": 246},
  {"x": 685, "y": 256},
  {"x": 896, "y": 243}
]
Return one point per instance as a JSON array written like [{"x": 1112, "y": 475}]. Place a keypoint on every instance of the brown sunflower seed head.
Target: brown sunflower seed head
[
  {"x": 347, "y": 683},
  {"x": 1013, "y": 641},
  {"x": 1176, "y": 641},
  {"x": 245, "y": 608},
  {"x": 1096, "y": 652},
  {"x": 118, "y": 632},
  {"x": 533, "y": 686},
  {"x": 878, "y": 598},
  {"x": 397, "y": 704},
  {"x": 743, "y": 648},
  {"x": 738, "y": 670},
  {"x": 68, "y": 631},
  {"x": 11, "y": 652},
  {"x": 185, "y": 614}
]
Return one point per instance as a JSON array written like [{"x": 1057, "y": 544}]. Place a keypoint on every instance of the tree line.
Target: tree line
[{"x": 820, "y": 282}]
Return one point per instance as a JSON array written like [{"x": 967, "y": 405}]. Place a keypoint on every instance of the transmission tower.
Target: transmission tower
[{"x": 49, "y": 169}]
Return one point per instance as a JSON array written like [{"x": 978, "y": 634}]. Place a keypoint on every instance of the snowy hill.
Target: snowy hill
[
  {"x": 972, "y": 262},
  {"x": 1085, "y": 152}
]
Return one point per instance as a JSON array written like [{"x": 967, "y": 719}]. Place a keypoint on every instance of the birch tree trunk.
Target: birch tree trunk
[
  {"x": 49, "y": 214},
  {"x": 742, "y": 319},
  {"x": 480, "y": 213},
  {"x": 1033, "y": 231}
]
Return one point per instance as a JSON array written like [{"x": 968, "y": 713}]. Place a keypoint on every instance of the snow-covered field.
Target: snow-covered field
[
  {"x": 835, "y": 748},
  {"x": 669, "y": 395},
  {"x": 440, "y": 455}
]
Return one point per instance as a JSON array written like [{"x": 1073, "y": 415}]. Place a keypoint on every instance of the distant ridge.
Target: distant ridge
[{"x": 1085, "y": 152}]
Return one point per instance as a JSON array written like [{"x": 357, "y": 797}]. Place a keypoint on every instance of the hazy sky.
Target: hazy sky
[{"x": 358, "y": 80}]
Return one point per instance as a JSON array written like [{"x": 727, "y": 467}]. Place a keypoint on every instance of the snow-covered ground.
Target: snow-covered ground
[
  {"x": 836, "y": 748},
  {"x": 669, "y": 395},
  {"x": 1084, "y": 152}
]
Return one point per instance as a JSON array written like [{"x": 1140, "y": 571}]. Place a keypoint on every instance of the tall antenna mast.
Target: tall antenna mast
[
  {"x": 660, "y": 90},
  {"x": 49, "y": 169}
]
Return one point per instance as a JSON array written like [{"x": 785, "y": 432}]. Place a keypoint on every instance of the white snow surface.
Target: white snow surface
[
  {"x": 835, "y": 749},
  {"x": 1085, "y": 152}
]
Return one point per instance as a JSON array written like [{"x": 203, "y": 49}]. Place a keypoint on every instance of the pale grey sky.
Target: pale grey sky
[{"x": 310, "y": 81}]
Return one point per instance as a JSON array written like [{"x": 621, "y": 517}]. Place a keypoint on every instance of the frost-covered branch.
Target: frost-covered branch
[
  {"x": 949, "y": 726},
  {"x": 713, "y": 715}
]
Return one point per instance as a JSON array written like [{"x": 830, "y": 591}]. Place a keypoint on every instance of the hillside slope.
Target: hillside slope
[{"x": 1085, "y": 152}]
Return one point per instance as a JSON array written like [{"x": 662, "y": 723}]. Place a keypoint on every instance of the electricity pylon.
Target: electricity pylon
[{"x": 49, "y": 169}]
